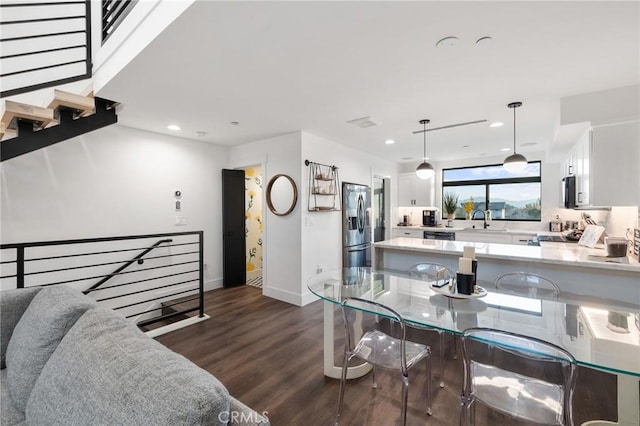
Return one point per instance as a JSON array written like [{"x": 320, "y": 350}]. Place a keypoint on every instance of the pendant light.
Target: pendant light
[
  {"x": 425, "y": 170},
  {"x": 515, "y": 162}
]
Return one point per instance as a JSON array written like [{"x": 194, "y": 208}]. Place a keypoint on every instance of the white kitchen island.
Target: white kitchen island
[
  {"x": 584, "y": 278},
  {"x": 576, "y": 269}
]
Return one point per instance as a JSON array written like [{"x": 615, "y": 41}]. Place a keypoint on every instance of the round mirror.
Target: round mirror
[{"x": 282, "y": 195}]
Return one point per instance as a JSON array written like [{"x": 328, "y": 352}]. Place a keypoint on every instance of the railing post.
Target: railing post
[
  {"x": 89, "y": 39},
  {"x": 20, "y": 267},
  {"x": 201, "y": 274}
]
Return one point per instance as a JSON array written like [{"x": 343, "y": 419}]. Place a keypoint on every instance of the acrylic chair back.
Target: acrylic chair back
[
  {"x": 369, "y": 338},
  {"x": 529, "y": 285},
  {"x": 437, "y": 274},
  {"x": 520, "y": 376},
  {"x": 431, "y": 272}
]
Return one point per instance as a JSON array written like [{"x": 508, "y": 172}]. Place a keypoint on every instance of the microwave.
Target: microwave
[{"x": 569, "y": 192}]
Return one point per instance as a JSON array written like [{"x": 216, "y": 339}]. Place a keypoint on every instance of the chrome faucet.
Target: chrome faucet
[{"x": 485, "y": 225}]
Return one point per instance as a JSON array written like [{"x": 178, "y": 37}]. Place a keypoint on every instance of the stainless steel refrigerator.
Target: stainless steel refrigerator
[{"x": 356, "y": 225}]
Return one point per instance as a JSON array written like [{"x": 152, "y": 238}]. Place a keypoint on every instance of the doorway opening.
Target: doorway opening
[{"x": 253, "y": 224}]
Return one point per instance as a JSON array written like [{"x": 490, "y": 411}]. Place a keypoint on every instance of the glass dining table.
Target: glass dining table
[{"x": 600, "y": 334}]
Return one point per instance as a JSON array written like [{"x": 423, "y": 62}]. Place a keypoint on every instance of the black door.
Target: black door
[{"x": 234, "y": 272}]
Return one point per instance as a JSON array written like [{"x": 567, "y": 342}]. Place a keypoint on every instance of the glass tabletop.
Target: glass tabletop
[{"x": 599, "y": 334}]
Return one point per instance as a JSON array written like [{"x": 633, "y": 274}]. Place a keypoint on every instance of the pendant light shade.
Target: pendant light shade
[
  {"x": 425, "y": 170},
  {"x": 515, "y": 162}
]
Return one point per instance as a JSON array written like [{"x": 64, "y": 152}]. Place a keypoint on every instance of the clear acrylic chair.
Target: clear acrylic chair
[
  {"x": 380, "y": 349},
  {"x": 529, "y": 285},
  {"x": 434, "y": 273},
  {"x": 522, "y": 377}
]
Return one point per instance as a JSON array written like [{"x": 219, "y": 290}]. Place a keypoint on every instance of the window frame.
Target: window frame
[{"x": 488, "y": 182}]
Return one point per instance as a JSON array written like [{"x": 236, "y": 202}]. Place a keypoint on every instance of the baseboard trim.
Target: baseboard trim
[{"x": 175, "y": 326}]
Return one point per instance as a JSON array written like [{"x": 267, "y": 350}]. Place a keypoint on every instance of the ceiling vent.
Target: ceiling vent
[{"x": 363, "y": 122}]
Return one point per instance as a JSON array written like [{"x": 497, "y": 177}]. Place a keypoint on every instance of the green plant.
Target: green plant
[{"x": 449, "y": 202}]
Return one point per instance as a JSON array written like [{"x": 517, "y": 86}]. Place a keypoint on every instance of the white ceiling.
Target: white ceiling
[{"x": 313, "y": 66}]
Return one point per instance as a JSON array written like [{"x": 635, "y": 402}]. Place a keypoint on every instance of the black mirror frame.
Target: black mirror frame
[{"x": 295, "y": 194}]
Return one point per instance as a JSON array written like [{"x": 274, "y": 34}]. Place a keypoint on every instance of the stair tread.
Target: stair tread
[
  {"x": 42, "y": 116},
  {"x": 84, "y": 104}
]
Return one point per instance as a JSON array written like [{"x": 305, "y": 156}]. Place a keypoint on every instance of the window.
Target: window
[{"x": 509, "y": 196}]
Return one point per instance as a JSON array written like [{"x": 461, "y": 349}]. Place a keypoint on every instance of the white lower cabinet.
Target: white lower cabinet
[
  {"x": 522, "y": 239},
  {"x": 494, "y": 237},
  {"x": 407, "y": 233},
  {"x": 481, "y": 237}
]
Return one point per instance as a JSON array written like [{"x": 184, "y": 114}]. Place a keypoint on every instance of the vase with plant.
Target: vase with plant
[
  {"x": 468, "y": 207},
  {"x": 450, "y": 204}
]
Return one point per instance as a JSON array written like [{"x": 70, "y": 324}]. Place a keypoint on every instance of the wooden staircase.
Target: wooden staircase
[{"x": 68, "y": 115}]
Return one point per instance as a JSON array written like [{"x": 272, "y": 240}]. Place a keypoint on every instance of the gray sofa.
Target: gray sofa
[{"x": 67, "y": 361}]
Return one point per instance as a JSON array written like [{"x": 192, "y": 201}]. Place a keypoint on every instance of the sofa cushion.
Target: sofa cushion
[
  {"x": 9, "y": 414},
  {"x": 106, "y": 371},
  {"x": 13, "y": 303},
  {"x": 51, "y": 313}
]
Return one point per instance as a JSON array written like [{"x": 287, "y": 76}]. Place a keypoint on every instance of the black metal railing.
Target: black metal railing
[
  {"x": 163, "y": 279},
  {"x": 44, "y": 44},
  {"x": 138, "y": 258},
  {"x": 113, "y": 13}
]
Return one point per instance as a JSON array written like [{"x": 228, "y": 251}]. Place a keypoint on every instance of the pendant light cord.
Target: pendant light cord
[
  {"x": 424, "y": 152},
  {"x": 514, "y": 130}
]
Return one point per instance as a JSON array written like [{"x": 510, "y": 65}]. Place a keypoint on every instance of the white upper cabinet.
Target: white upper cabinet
[
  {"x": 413, "y": 191},
  {"x": 615, "y": 165},
  {"x": 581, "y": 158},
  {"x": 606, "y": 164}
]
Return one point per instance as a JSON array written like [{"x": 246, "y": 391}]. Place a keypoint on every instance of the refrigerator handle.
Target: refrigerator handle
[
  {"x": 357, "y": 250},
  {"x": 360, "y": 214}
]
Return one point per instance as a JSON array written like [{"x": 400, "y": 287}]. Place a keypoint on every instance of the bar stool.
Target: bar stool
[
  {"x": 433, "y": 273},
  {"x": 380, "y": 349},
  {"x": 497, "y": 373},
  {"x": 530, "y": 285}
]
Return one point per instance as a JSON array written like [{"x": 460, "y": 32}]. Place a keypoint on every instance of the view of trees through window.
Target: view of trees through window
[{"x": 508, "y": 196}]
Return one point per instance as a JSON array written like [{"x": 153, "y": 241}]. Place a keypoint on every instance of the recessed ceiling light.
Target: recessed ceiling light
[
  {"x": 529, "y": 144},
  {"x": 465, "y": 146},
  {"x": 234, "y": 123},
  {"x": 201, "y": 134},
  {"x": 407, "y": 158},
  {"x": 505, "y": 149},
  {"x": 389, "y": 141},
  {"x": 173, "y": 127},
  {"x": 447, "y": 42},
  {"x": 496, "y": 124}
]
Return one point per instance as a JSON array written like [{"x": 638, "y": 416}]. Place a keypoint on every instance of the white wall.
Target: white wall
[
  {"x": 143, "y": 23},
  {"x": 115, "y": 181},
  {"x": 294, "y": 245},
  {"x": 322, "y": 231},
  {"x": 551, "y": 188},
  {"x": 282, "y": 236}
]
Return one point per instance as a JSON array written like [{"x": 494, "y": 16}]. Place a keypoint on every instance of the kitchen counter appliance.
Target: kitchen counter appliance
[
  {"x": 569, "y": 192},
  {"x": 555, "y": 239},
  {"x": 356, "y": 225},
  {"x": 429, "y": 217},
  {"x": 439, "y": 235}
]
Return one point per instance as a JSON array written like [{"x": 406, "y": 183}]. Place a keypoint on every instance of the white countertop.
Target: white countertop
[
  {"x": 554, "y": 253},
  {"x": 480, "y": 230}
]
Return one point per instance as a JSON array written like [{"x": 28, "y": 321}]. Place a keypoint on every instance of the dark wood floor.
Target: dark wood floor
[{"x": 269, "y": 355}]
